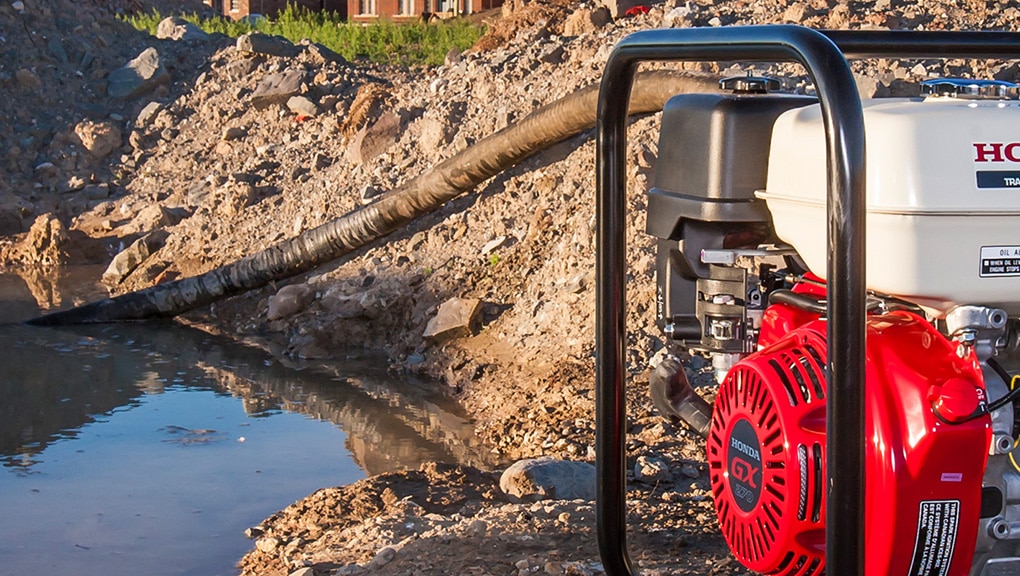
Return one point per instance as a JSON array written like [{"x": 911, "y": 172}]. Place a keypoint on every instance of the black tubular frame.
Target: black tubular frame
[{"x": 824, "y": 55}]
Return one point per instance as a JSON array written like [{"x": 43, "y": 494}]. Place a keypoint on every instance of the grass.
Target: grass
[{"x": 411, "y": 44}]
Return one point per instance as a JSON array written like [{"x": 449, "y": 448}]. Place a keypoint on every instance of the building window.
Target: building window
[
  {"x": 366, "y": 7},
  {"x": 407, "y": 7}
]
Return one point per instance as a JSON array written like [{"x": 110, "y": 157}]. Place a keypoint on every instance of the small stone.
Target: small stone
[
  {"x": 147, "y": 114},
  {"x": 796, "y": 12},
  {"x": 383, "y": 557},
  {"x": 478, "y": 528},
  {"x": 375, "y": 139},
  {"x": 453, "y": 57},
  {"x": 56, "y": 48},
  {"x": 173, "y": 28},
  {"x": 233, "y": 133},
  {"x": 268, "y": 45},
  {"x": 267, "y": 545},
  {"x": 139, "y": 76},
  {"x": 690, "y": 471},
  {"x": 493, "y": 244},
  {"x": 27, "y": 79},
  {"x": 18, "y": 6},
  {"x": 919, "y": 70},
  {"x": 650, "y": 470},
  {"x": 290, "y": 300},
  {"x": 277, "y": 88},
  {"x": 306, "y": 571},
  {"x": 454, "y": 319},
  {"x": 99, "y": 138},
  {"x": 553, "y": 568},
  {"x": 302, "y": 106},
  {"x": 132, "y": 257},
  {"x": 522, "y": 565}
]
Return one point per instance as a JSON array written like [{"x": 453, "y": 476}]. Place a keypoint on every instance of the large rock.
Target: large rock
[
  {"x": 549, "y": 479},
  {"x": 99, "y": 138},
  {"x": 277, "y": 88},
  {"x": 132, "y": 257},
  {"x": 268, "y": 45},
  {"x": 139, "y": 76},
  {"x": 173, "y": 28},
  {"x": 453, "y": 319}
]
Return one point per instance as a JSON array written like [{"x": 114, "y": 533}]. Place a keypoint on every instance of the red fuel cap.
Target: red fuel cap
[{"x": 955, "y": 400}]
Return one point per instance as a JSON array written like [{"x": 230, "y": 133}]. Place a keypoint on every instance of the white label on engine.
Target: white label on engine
[
  {"x": 1000, "y": 261},
  {"x": 937, "y": 521}
]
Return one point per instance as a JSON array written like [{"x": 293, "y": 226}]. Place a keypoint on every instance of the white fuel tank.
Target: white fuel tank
[{"x": 943, "y": 198}]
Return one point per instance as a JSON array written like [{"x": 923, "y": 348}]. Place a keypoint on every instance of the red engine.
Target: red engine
[{"x": 926, "y": 454}]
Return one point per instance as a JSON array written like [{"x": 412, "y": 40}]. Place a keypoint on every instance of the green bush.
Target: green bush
[{"x": 413, "y": 43}]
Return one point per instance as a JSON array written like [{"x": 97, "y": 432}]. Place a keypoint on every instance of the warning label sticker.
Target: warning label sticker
[
  {"x": 1000, "y": 261},
  {"x": 936, "y": 537}
]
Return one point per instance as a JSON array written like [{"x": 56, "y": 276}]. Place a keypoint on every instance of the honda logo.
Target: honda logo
[{"x": 996, "y": 152}]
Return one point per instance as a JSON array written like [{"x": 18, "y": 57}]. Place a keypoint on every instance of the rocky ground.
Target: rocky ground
[{"x": 228, "y": 148}]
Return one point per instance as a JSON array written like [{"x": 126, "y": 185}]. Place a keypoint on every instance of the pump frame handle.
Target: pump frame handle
[{"x": 824, "y": 55}]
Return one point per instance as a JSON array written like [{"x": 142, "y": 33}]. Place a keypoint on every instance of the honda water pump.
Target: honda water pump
[{"x": 738, "y": 208}]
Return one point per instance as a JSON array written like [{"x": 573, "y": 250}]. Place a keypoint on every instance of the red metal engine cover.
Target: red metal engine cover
[{"x": 766, "y": 451}]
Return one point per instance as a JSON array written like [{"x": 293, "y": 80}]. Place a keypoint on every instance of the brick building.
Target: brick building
[
  {"x": 270, "y": 8},
  {"x": 369, "y": 10}
]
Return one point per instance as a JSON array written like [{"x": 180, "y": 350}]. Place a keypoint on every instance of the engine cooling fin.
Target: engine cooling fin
[{"x": 769, "y": 498}]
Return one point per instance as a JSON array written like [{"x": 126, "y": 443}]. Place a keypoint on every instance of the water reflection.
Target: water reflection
[
  {"x": 387, "y": 427},
  {"x": 124, "y": 448}
]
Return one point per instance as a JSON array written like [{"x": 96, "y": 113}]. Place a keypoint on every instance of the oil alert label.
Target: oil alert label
[
  {"x": 937, "y": 521},
  {"x": 1000, "y": 261}
]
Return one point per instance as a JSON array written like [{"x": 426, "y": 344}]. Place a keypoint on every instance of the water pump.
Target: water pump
[{"x": 738, "y": 208}]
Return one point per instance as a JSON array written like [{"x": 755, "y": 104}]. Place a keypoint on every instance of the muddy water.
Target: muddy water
[{"x": 149, "y": 449}]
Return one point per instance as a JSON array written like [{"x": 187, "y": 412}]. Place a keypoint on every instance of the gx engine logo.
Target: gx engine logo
[{"x": 743, "y": 464}]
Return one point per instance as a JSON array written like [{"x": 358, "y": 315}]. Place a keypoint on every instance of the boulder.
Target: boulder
[
  {"x": 549, "y": 479},
  {"x": 139, "y": 76},
  {"x": 268, "y": 45},
  {"x": 277, "y": 88}
]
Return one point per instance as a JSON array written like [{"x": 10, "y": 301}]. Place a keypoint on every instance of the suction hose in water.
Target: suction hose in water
[{"x": 460, "y": 173}]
